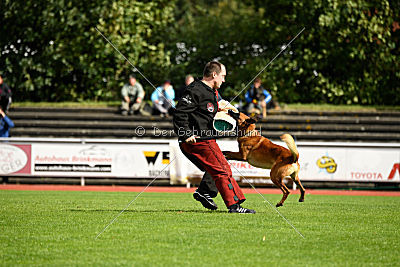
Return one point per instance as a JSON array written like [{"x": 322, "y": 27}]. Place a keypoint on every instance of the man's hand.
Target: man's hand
[
  {"x": 2, "y": 113},
  {"x": 138, "y": 100},
  {"x": 156, "y": 101},
  {"x": 191, "y": 140},
  {"x": 127, "y": 99}
]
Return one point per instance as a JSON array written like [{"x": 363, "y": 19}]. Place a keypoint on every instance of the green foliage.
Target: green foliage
[
  {"x": 348, "y": 53},
  {"x": 55, "y": 52},
  {"x": 54, "y": 228}
]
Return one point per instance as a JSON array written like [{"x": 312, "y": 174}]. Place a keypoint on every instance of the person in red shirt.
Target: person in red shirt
[{"x": 193, "y": 117}]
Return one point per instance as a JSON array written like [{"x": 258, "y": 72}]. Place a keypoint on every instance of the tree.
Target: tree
[
  {"x": 53, "y": 52},
  {"x": 347, "y": 54}
]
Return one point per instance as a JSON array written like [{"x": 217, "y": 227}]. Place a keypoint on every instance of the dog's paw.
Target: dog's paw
[{"x": 279, "y": 205}]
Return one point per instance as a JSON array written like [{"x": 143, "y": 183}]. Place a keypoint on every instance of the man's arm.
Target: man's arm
[
  {"x": 140, "y": 91},
  {"x": 124, "y": 93},
  {"x": 267, "y": 95},
  {"x": 172, "y": 93},
  {"x": 248, "y": 97},
  {"x": 7, "y": 120},
  {"x": 154, "y": 95},
  {"x": 187, "y": 104}
]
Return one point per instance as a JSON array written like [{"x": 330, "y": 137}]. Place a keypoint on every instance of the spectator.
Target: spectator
[
  {"x": 258, "y": 98},
  {"x": 188, "y": 80},
  {"x": 5, "y": 124},
  {"x": 132, "y": 97},
  {"x": 163, "y": 99},
  {"x": 5, "y": 95}
]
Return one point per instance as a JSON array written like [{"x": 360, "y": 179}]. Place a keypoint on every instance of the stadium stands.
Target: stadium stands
[{"x": 379, "y": 126}]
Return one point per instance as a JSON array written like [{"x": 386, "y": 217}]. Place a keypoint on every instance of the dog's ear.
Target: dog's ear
[
  {"x": 233, "y": 114},
  {"x": 251, "y": 120}
]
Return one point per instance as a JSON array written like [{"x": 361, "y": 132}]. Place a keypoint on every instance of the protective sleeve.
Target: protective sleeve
[
  {"x": 225, "y": 106},
  {"x": 187, "y": 104}
]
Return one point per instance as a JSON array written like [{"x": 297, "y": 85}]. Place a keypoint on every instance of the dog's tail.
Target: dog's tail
[{"x": 288, "y": 139}]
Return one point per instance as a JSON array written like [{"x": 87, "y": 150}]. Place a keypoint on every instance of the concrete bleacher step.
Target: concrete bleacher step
[
  {"x": 303, "y": 136},
  {"x": 337, "y": 113},
  {"x": 167, "y": 125},
  {"x": 90, "y": 124},
  {"x": 115, "y": 110},
  {"x": 272, "y": 118},
  {"x": 378, "y": 126}
]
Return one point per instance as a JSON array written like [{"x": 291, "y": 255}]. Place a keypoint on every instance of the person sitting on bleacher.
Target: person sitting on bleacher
[
  {"x": 132, "y": 97},
  {"x": 259, "y": 99},
  {"x": 163, "y": 99}
]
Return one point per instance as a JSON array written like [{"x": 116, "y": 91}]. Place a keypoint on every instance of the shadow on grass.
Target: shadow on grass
[
  {"x": 150, "y": 211},
  {"x": 177, "y": 211}
]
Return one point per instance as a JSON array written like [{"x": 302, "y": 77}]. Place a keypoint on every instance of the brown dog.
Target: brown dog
[{"x": 262, "y": 153}]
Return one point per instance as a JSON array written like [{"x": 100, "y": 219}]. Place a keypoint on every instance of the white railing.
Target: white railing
[{"x": 149, "y": 158}]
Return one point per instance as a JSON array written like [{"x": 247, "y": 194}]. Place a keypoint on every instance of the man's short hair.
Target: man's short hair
[
  {"x": 257, "y": 80},
  {"x": 132, "y": 76},
  {"x": 211, "y": 67}
]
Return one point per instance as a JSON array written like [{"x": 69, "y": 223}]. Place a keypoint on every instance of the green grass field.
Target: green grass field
[{"x": 165, "y": 229}]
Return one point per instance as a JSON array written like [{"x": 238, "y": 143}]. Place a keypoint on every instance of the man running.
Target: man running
[{"x": 193, "y": 118}]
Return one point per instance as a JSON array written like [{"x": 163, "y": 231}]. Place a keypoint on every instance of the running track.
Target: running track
[{"x": 187, "y": 190}]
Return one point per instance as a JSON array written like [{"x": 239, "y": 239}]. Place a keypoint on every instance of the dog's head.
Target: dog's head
[{"x": 244, "y": 122}]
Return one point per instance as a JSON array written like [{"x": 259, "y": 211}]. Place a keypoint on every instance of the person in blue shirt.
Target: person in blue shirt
[
  {"x": 258, "y": 98},
  {"x": 163, "y": 99},
  {"x": 5, "y": 124}
]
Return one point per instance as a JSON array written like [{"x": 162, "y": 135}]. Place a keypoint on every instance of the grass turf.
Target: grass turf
[{"x": 59, "y": 228}]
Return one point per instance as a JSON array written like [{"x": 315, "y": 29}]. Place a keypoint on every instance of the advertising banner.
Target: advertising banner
[
  {"x": 101, "y": 160},
  {"x": 318, "y": 162},
  {"x": 359, "y": 164},
  {"x": 145, "y": 158}
]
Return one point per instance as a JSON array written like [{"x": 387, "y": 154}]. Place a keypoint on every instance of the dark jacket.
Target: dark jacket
[
  {"x": 5, "y": 96},
  {"x": 5, "y": 91},
  {"x": 195, "y": 111}
]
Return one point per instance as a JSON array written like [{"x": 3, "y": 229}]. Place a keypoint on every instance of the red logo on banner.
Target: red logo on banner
[
  {"x": 15, "y": 159},
  {"x": 396, "y": 167}
]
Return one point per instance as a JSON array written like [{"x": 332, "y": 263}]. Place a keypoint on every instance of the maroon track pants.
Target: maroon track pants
[{"x": 207, "y": 156}]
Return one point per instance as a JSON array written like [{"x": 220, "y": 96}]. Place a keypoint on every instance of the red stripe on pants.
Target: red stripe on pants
[{"x": 210, "y": 157}]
